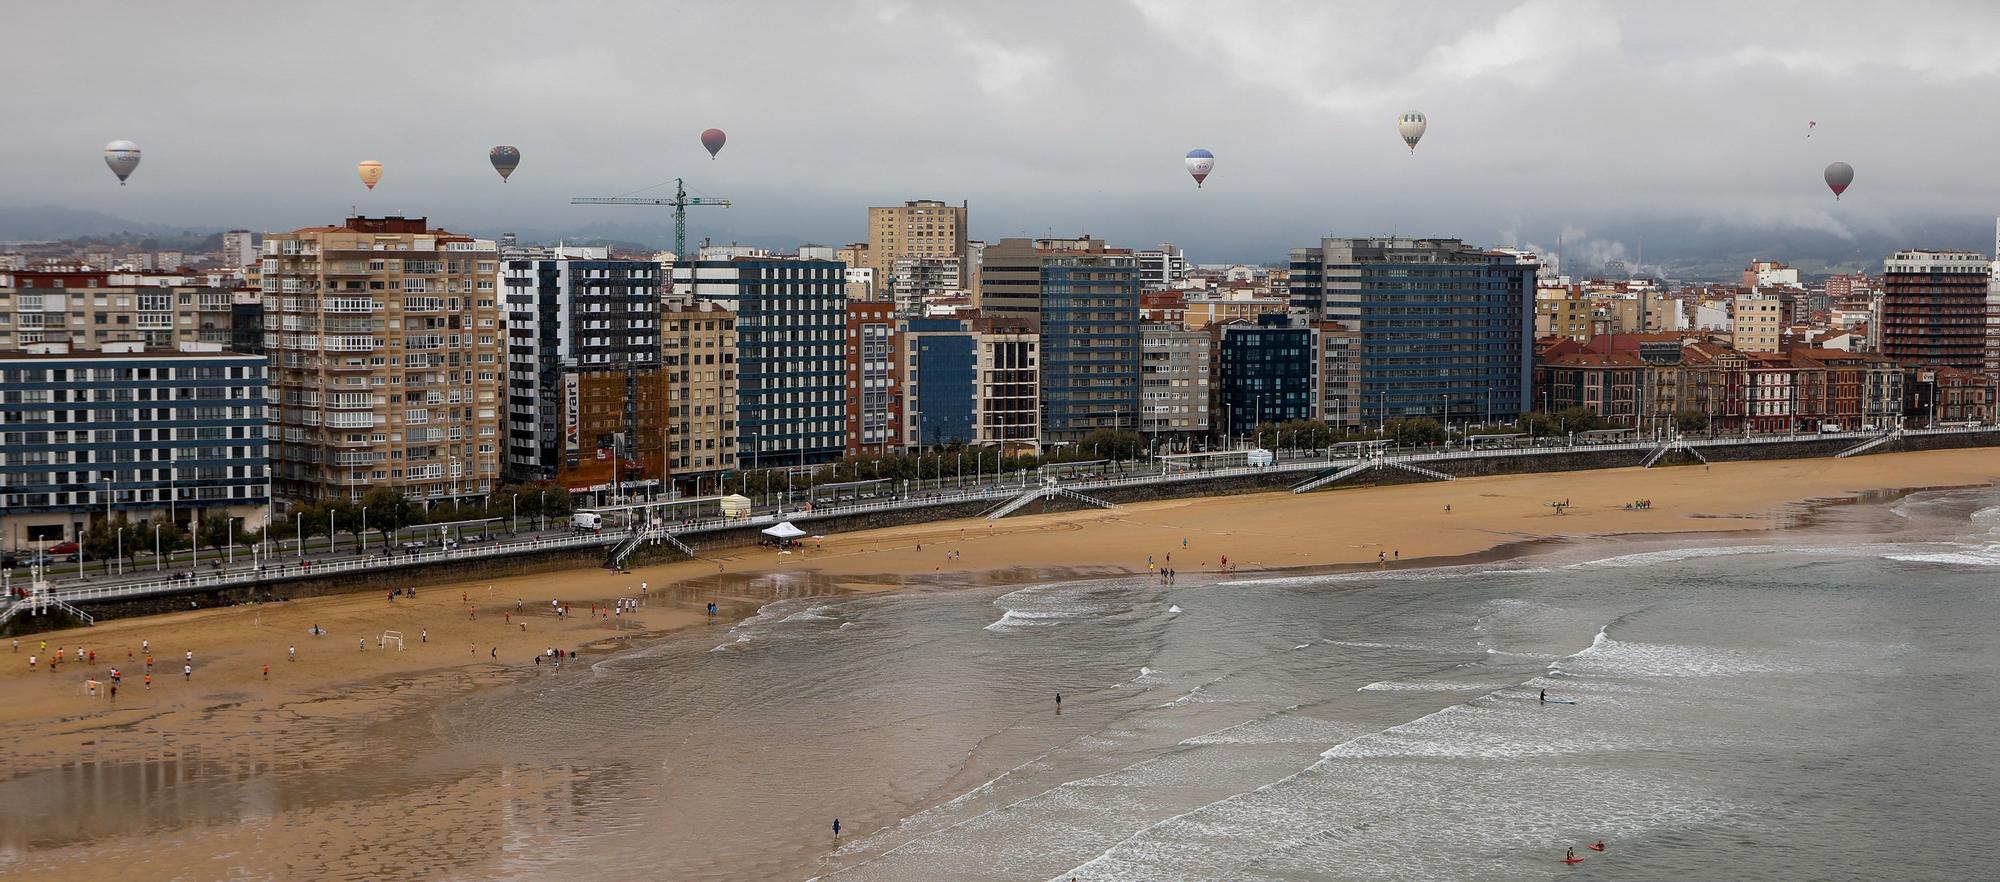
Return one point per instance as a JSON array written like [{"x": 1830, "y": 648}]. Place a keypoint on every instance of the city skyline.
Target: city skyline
[{"x": 1531, "y": 136}]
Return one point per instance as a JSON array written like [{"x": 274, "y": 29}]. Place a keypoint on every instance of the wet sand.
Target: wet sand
[{"x": 340, "y": 705}]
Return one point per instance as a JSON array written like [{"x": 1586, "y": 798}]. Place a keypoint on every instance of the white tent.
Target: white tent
[
  {"x": 784, "y": 530},
  {"x": 734, "y": 506}
]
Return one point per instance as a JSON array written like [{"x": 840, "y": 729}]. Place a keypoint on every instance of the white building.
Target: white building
[
  {"x": 1160, "y": 268},
  {"x": 239, "y": 248}
]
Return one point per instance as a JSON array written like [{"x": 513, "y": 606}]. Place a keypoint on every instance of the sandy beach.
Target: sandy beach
[{"x": 323, "y": 706}]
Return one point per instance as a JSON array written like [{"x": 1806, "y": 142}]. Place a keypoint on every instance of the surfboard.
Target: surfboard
[
  {"x": 1572, "y": 860},
  {"x": 1559, "y": 701}
]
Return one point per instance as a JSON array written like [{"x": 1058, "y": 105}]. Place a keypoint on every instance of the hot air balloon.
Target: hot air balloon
[
  {"x": 1412, "y": 126},
  {"x": 713, "y": 140},
  {"x": 1199, "y": 163},
  {"x": 505, "y": 160},
  {"x": 370, "y": 172},
  {"x": 1838, "y": 176},
  {"x": 123, "y": 157}
]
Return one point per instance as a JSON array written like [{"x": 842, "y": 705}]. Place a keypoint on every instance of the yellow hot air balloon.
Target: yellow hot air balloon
[{"x": 370, "y": 172}]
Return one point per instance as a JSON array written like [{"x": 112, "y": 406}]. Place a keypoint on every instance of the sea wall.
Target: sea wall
[{"x": 1555, "y": 460}]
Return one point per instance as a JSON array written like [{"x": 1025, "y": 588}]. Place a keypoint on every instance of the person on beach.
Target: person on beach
[
  {"x": 187, "y": 672},
  {"x": 424, "y": 635},
  {"x": 149, "y": 682},
  {"x": 267, "y": 670},
  {"x": 361, "y": 645},
  {"x": 291, "y": 654},
  {"x": 836, "y": 828}
]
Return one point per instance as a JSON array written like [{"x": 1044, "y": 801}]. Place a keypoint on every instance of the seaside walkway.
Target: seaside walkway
[{"x": 1319, "y": 469}]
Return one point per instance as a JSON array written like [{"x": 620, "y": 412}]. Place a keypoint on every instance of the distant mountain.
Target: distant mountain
[
  {"x": 1712, "y": 252},
  {"x": 47, "y": 223}
]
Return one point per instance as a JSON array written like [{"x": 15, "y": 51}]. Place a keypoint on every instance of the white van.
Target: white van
[{"x": 586, "y": 520}]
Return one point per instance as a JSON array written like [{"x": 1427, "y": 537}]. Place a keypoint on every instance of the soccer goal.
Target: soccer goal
[{"x": 388, "y": 636}]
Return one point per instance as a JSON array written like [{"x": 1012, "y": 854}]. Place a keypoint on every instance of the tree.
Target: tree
[
  {"x": 100, "y": 542},
  {"x": 1579, "y": 419},
  {"x": 347, "y": 518},
  {"x": 1691, "y": 421},
  {"x": 388, "y": 511},
  {"x": 215, "y": 530},
  {"x": 1419, "y": 431},
  {"x": 1537, "y": 424},
  {"x": 1110, "y": 444}
]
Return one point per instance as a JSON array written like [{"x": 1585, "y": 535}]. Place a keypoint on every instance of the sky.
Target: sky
[{"x": 1547, "y": 117}]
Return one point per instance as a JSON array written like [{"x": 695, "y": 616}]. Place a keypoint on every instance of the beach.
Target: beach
[{"x": 349, "y": 697}]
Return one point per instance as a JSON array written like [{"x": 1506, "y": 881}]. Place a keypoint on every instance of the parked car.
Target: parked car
[{"x": 63, "y": 548}]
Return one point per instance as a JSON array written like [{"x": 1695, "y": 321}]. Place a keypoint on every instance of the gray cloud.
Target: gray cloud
[{"x": 1045, "y": 115}]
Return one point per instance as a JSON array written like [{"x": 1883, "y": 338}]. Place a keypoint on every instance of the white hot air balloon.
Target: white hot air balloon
[
  {"x": 1411, "y": 125},
  {"x": 123, "y": 157},
  {"x": 1199, "y": 163}
]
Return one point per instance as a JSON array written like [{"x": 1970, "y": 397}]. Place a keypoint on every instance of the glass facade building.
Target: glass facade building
[
  {"x": 1445, "y": 329},
  {"x": 1268, "y": 373},
  {"x": 942, "y": 372},
  {"x": 791, "y": 357}
]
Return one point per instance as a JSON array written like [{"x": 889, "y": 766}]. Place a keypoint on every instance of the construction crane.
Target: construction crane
[{"x": 680, "y": 202}]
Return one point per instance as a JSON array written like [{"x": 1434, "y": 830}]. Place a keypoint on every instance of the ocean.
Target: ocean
[
  {"x": 1821, "y": 706},
  {"x": 1812, "y": 704}
]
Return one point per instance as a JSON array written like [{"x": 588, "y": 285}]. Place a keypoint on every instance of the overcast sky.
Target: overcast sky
[{"x": 1063, "y": 116}]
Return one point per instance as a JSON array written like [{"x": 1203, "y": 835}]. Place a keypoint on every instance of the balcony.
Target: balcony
[{"x": 350, "y": 420}]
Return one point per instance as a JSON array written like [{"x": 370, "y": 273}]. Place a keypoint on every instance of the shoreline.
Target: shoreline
[{"x": 48, "y": 720}]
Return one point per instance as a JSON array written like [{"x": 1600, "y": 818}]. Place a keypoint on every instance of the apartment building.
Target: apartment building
[
  {"x": 791, "y": 358},
  {"x": 1083, "y": 300},
  {"x": 143, "y": 435},
  {"x": 87, "y": 309},
  {"x": 385, "y": 338},
  {"x": 874, "y": 379},
  {"x": 1339, "y": 377},
  {"x": 1162, "y": 267},
  {"x": 1267, "y": 373},
  {"x": 1007, "y": 401},
  {"x": 1213, "y": 307},
  {"x": 924, "y": 229},
  {"x": 586, "y": 396},
  {"x": 1174, "y": 384},
  {"x": 915, "y": 282},
  {"x": 1933, "y": 309},
  {"x": 698, "y": 352},
  {"x": 1442, "y": 325},
  {"x": 940, "y": 367},
  {"x": 1758, "y": 322}
]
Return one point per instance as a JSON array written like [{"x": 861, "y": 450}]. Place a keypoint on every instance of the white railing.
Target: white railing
[
  {"x": 275, "y": 567},
  {"x": 1007, "y": 487}
]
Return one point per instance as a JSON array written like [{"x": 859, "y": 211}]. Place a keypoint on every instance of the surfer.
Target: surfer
[
  {"x": 1570, "y": 857},
  {"x": 1597, "y": 846},
  {"x": 1545, "y": 697}
]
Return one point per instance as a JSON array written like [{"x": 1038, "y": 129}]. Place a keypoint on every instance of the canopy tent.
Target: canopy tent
[
  {"x": 784, "y": 530},
  {"x": 734, "y": 506}
]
